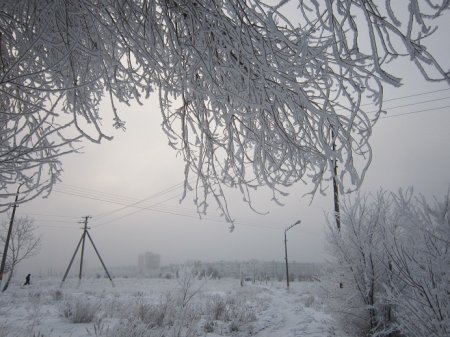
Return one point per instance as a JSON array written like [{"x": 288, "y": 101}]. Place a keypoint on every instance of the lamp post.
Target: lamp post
[{"x": 285, "y": 250}]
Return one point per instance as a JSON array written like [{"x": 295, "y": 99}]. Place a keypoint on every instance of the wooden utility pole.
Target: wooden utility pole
[
  {"x": 82, "y": 243},
  {"x": 285, "y": 251},
  {"x": 83, "y": 239},
  {"x": 337, "y": 212},
  {"x": 8, "y": 236}
]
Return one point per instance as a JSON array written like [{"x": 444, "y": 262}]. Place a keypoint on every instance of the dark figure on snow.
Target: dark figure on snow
[{"x": 27, "y": 280}]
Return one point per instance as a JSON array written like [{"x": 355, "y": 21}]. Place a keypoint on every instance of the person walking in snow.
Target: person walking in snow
[{"x": 27, "y": 280}]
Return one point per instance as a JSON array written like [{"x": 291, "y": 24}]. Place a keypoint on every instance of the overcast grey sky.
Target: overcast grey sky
[{"x": 408, "y": 150}]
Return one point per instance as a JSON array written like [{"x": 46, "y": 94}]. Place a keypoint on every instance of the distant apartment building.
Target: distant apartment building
[{"x": 148, "y": 262}]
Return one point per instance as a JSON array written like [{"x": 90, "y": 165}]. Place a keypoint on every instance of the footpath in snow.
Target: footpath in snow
[{"x": 296, "y": 313}]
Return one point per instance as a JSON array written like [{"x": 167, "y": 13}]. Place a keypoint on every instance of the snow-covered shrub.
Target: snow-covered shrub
[
  {"x": 176, "y": 314},
  {"x": 151, "y": 314},
  {"x": 187, "y": 313},
  {"x": 392, "y": 258},
  {"x": 99, "y": 328},
  {"x": 360, "y": 260},
  {"x": 234, "y": 326},
  {"x": 209, "y": 326},
  {"x": 35, "y": 295},
  {"x": 156, "y": 314},
  {"x": 56, "y": 295},
  {"x": 131, "y": 328},
  {"x": 216, "y": 307},
  {"x": 4, "y": 330},
  {"x": 230, "y": 308},
  {"x": 307, "y": 300},
  {"x": 420, "y": 260},
  {"x": 117, "y": 307},
  {"x": 78, "y": 310},
  {"x": 229, "y": 312}
]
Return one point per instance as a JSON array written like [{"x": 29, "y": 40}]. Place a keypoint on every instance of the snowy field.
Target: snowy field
[{"x": 157, "y": 307}]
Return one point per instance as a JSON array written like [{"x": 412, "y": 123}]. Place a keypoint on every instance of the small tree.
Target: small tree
[
  {"x": 358, "y": 248},
  {"x": 393, "y": 252},
  {"x": 22, "y": 245},
  {"x": 420, "y": 260}
]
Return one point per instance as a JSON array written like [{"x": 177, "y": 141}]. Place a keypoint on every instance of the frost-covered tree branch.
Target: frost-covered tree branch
[
  {"x": 57, "y": 60},
  {"x": 265, "y": 100},
  {"x": 252, "y": 94}
]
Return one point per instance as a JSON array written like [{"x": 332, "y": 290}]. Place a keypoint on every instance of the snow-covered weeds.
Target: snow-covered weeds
[
  {"x": 183, "y": 307},
  {"x": 229, "y": 312},
  {"x": 79, "y": 310}
]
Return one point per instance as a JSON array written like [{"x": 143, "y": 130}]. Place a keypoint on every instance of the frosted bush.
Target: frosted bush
[
  {"x": 131, "y": 328},
  {"x": 35, "y": 295},
  {"x": 209, "y": 326},
  {"x": 392, "y": 256},
  {"x": 4, "y": 330},
  {"x": 216, "y": 307},
  {"x": 56, "y": 295},
  {"x": 156, "y": 315},
  {"x": 234, "y": 326},
  {"x": 79, "y": 310},
  {"x": 235, "y": 310},
  {"x": 307, "y": 300},
  {"x": 116, "y": 307},
  {"x": 239, "y": 309}
]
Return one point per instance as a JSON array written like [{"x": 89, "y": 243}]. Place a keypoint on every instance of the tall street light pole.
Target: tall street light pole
[{"x": 285, "y": 251}]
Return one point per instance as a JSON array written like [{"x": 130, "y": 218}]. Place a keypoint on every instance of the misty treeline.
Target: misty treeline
[
  {"x": 251, "y": 93},
  {"x": 253, "y": 270},
  {"x": 393, "y": 262}
]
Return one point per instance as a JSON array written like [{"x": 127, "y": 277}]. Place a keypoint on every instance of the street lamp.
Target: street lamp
[{"x": 285, "y": 250}]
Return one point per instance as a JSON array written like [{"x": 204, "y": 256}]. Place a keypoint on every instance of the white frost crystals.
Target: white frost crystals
[{"x": 249, "y": 97}]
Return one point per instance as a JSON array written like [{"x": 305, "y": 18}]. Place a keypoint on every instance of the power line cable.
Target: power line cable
[
  {"x": 403, "y": 97},
  {"x": 58, "y": 221},
  {"x": 94, "y": 192},
  {"x": 51, "y": 215},
  {"x": 155, "y": 195},
  {"x": 58, "y": 227},
  {"x": 123, "y": 199},
  {"x": 413, "y": 95},
  {"x": 106, "y": 197},
  {"x": 415, "y": 103},
  {"x": 166, "y": 211},
  {"x": 150, "y": 208},
  {"x": 127, "y": 205},
  {"x": 135, "y": 211},
  {"x": 415, "y": 112}
]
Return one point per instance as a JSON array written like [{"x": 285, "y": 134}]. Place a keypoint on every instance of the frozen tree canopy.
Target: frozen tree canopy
[{"x": 249, "y": 96}]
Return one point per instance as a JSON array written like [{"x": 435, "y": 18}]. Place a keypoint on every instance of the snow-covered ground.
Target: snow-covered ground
[{"x": 160, "y": 307}]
